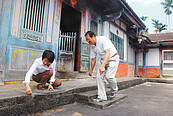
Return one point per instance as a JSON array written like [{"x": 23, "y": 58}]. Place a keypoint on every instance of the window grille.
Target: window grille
[
  {"x": 165, "y": 57},
  {"x": 34, "y": 15},
  {"x": 118, "y": 43}
]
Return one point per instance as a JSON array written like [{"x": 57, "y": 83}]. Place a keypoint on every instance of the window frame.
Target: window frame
[{"x": 118, "y": 42}]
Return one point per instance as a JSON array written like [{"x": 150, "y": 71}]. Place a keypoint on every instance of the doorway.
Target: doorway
[{"x": 69, "y": 42}]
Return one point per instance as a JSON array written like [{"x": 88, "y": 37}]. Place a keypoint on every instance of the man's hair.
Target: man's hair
[
  {"x": 49, "y": 55},
  {"x": 90, "y": 33}
]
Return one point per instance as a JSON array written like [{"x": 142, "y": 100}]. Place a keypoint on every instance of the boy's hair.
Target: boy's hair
[
  {"x": 90, "y": 33},
  {"x": 49, "y": 55}
]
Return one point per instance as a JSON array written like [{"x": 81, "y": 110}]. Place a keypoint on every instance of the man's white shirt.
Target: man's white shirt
[
  {"x": 102, "y": 44},
  {"x": 38, "y": 67}
]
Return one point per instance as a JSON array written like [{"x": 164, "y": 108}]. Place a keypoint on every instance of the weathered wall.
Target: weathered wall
[
  {"x": 5, "y": 10},
  {"x": 24, "y": 45}
]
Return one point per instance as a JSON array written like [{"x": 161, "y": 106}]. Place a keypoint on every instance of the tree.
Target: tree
[
  {"x": 162, "y": 27},
  {"x": 167, "y": 5},
  {"x": 159, "y": 26},
  {"x": 144, "y": 31},
  {"x": 144, "y": 18}
]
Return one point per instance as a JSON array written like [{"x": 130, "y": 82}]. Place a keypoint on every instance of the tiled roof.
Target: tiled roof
[{"x": 160, "y": 36}]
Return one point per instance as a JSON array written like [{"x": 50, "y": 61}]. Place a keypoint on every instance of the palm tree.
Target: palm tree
[
  {"x": 167, "y": 5},
  {"x": 144, "y": 18},
  {"x": 159, "y": 26},
  {"x": 162, "y": 27},
  {"x": 144, "y": 31}
]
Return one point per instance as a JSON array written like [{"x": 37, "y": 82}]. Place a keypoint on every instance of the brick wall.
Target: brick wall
[
  {"x": 122, "y": 70},
  {"x": 152, "y": 72},
  {"x": 140, "y": 73},
  {"x": 131, "y": 71}
]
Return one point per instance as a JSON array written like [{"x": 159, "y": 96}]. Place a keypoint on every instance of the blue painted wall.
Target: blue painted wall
[
  {"x": 17, "y": 53},
  {"x": 4, "y": 31}
]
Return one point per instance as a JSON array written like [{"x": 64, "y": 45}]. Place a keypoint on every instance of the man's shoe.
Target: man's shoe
[
  {"x": 113, "y": 94},
  {"x": 99, "y": 100},
  {"x": 40, "y": 86}
]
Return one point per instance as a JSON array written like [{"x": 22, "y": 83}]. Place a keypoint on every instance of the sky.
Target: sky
[{"x": 153, "y": 10}]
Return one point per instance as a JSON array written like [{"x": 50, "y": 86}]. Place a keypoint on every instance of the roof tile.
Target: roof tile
[{"x": 161, "y": 36}]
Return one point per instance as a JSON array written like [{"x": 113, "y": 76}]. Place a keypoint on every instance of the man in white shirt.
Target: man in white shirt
[
  {"x": 43, "y": 71},
  {"x": 109, "y": 63}
]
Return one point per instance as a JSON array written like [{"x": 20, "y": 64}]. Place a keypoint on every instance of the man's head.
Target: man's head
[
  {"x": 48, "y": 57},
  {"x": 90, "y": 37}
]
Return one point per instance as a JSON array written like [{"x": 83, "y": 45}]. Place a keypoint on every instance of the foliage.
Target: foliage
[
  {"x": 167, "y": 5},
  {"x": 144, "y": 31},
  {"x": 144, "y": 18},
  {"x": 158, "y": 25}
]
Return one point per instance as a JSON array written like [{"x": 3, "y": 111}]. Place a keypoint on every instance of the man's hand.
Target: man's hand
[
  {"x": 106, "y": 58},
  {"x": 90, "y": 73},
  {"x": 101, "y": 69},
  {"x": 50, "y": 87},
  {"x": 28, "y": 89}
]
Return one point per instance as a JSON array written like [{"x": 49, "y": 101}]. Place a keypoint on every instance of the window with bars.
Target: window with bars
[
  {"x": 165, "y": 57},
  {"x": 34, "y": 15},
  {"x": 118, "y": 43}
]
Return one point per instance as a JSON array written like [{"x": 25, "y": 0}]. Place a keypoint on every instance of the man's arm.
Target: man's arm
[
  {"x": 106, "y": 58},
  {"x": 93, "y": 62}
]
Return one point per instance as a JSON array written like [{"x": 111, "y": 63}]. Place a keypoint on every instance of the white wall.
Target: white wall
[
  {"x": 140, "y": 58},
  {"x": 131, "y": 54},
  {"x": 125, "y": 47},
  {"x": 106, "y": 29},
  {"x": 152, "y": 57},
  {"x": 123, "y": 25},
  {"x": 117, "y": 22},
  {"x": 113, "y": 29}
]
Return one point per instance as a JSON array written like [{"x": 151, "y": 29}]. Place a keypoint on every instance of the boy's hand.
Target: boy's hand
[
  {"x": 50, "y": 87},
  {"x": 28, "y": 89}
]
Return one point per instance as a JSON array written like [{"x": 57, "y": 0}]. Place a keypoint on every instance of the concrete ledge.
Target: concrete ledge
[
  {"x": 130, "y": 83},
  {"x": 14, "y": 101},
  {"x": 34, "y": 104},
  {"x": 160, "y": 80}
]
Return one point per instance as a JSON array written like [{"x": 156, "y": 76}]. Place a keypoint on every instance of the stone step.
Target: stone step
[
  {"x": 87, "y": 98},
  {"x": 119, "y": 97}
]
